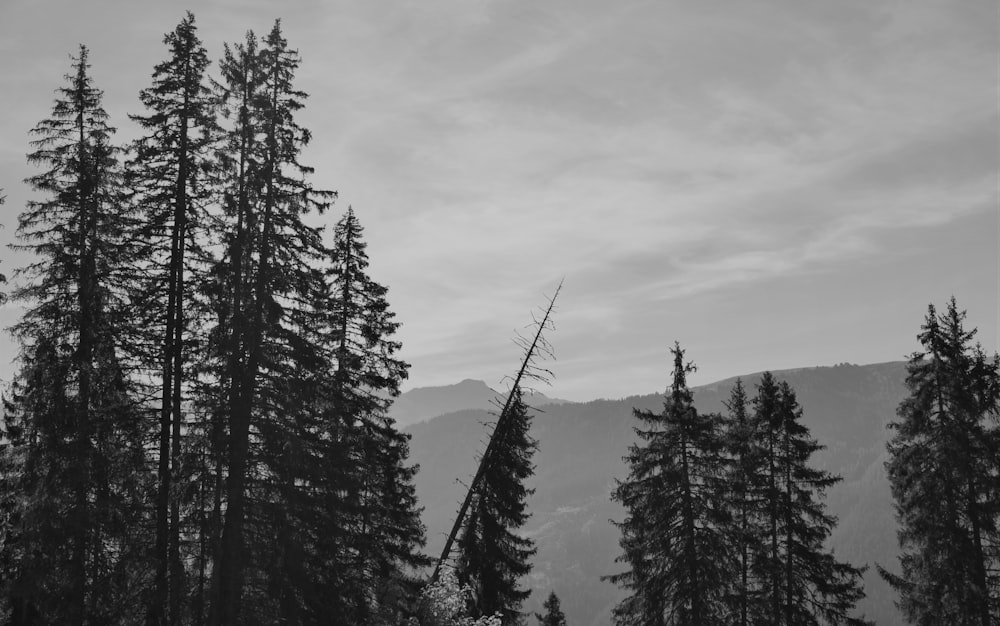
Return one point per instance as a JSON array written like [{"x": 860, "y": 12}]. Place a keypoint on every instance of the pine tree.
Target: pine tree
[
  {"x": 169, "y": 175},
  {"x": 365, "y": 379},
  {"x": 743, "y": 474},
  {"x": 943, "y": 469},
  {"x": 79, "y": 473},
  {"x": 801, "y": 582},
  {"x": 672, "y": 538},
  {"x": 553, "y": 612},
  {"x": 492, "y": 557},
  {"x": 268, "y": 289}
]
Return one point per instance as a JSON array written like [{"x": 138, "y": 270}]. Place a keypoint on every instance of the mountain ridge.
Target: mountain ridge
[
  {"x": 581, "y": 445},
  {"x": 423, "y": 403}
]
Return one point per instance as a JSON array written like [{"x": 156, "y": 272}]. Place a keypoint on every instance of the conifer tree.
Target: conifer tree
[
  {"x": 741, "y": 438},
  {"x": 801, "y": 582},
  {"x": 366, "y": 377},
  {"x": 492, "y": 557},
  {"x": 169, "y": 173},
  {"x": 268, "y": 289},
  {"x": 553, "y": 612},
  {"x": 945, "y": 478},
  {"x": 79, "y": 477},
  {"x": 672, "y": 536}
]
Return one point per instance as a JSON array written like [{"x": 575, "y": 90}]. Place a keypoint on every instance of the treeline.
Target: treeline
[
  {"x": 725, "y": 517},
  {"x": 198, "y": 430}
]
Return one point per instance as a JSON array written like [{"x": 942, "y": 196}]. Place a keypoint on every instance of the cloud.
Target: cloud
[{"x": 653, "y": 152}]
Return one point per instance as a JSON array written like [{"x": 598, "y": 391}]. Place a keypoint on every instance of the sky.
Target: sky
[{"x": 772, "y": 183}]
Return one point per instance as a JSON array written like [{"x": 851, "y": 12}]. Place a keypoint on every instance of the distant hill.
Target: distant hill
[
  {"x": 423, "y": 403},
  {"x": 580, "y": 454}
]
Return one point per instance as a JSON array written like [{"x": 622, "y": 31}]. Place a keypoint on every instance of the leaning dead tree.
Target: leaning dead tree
[{"x": 536, "y": 348}]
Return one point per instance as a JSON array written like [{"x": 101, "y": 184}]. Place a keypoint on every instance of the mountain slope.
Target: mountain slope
[
  {"x": 423, "y": 403},
  {"x": 580, "y": 455}
]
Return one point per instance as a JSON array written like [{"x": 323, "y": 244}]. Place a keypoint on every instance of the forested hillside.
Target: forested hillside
[{"x": 580, "y": 450}]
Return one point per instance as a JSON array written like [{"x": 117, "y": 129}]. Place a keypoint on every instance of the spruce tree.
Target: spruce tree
[
  {"x": 169, "y": 175},
  {"x": 79, "y": 478},
  {"x": 492, "y": 556},
  {"x": 800, "y": 580},
  {"x": 672, "y": 537},
  {"x": 366, "y": 376},
  {"x": 268, "y": 288},
  {"x": 945, "y": 479},
  {"x": 553, "y": 612},
  {"x": 740, "y": 438}
]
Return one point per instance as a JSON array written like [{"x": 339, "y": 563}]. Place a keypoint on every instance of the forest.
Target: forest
[{"x": 199, "y": 429}]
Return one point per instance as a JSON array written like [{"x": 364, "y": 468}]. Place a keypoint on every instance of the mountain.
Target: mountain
[
  {"x": 423, "y": 403},
  {"x": 581, "y": 445}
]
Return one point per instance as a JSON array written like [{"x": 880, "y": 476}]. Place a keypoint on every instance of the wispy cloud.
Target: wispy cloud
[{"x": 668, "y": 158}]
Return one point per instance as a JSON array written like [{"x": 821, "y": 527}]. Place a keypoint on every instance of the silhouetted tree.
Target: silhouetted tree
[
  {"x": 801, "y": 582},
  {"x": 387, "y": 533},
  {"x": 553, "y": 612},
  {"x": 169, "y": 174},
  {"x": 944, "y": 469},
  {"x": 672, "y": 537},
  {"x": 743, "y": 474},
  {"x": 78, "y": 465},
  {"x": 492, "y": 557},
  {"x": 269, "y": 287}
]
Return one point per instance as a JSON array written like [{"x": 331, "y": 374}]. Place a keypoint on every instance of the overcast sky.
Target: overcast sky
[{"x": 774, "y": 184}]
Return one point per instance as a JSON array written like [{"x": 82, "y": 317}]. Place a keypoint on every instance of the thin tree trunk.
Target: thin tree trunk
[
  {"x": 224, "y": 585},
  {"x": 775, "y": 558},
  {"x": 690, "y": 540},
  {"x": 177, "y": 362},
  {"x": 84, "y": 363},
  {"x": 788, "y": 528}
]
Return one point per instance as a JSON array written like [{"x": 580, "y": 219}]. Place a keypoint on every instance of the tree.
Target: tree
[
  {"x": 743, "y": 474},
  {"x": 267, "y": 292},
  {"x": 168, "y": 172},
  {"x": 672, "y": 537},
  {"x": 800, "y": 581},
  {"x": 79, "y": 461},
  {"x": 945, "y": 479},
  {"x": 365, "y": 379},
  {"x": 492, "y": 557},
  {"x": 534, "y": 349},
  {"x": 553, "y": 612}
]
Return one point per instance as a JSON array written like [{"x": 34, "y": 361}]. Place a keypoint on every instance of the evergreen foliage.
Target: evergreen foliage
[
  {"x": 271, "y": 354},
  {"x": 168, "y": 173},
  {"x": 387, "y": 532},
  {"x": 800, "y": 581},
  {"x": 672, "y": 536},
  {"x": 725, "y": 521},
  {"x": 492, "y": 557},
  {"x": 944, "y": 469},
  {"x": 743, "y": 475},
  {"x": 74, "y": 464},
  {"x": 281, "y": 489},
  {"x": 553, "y": 612}
]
